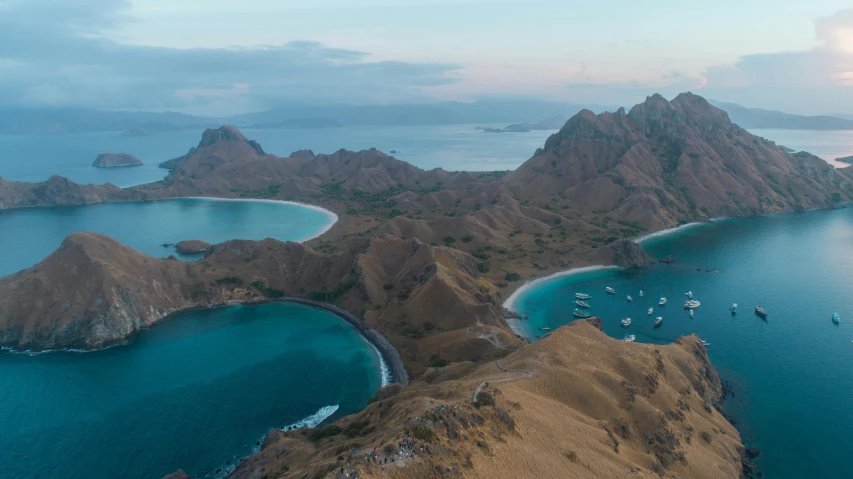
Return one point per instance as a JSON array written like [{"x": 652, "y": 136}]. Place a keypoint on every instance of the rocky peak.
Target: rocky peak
[{"x": 227, "y": 133}]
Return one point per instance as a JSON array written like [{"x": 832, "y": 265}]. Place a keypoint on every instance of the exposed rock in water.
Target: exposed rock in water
[
  {"x": 629, "y": 254},
  {"x": 179, "y": 474},
  {"x": 192, "y": 247},
  {"x": 115, "y": 160}
]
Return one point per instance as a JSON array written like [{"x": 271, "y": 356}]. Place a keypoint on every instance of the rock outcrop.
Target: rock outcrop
[
  {"x": 192, "y": 247},
  {"x": 115, "y": 160},
  {"x": 227, "y": 140},
  {"x": 629, "y": 254}
]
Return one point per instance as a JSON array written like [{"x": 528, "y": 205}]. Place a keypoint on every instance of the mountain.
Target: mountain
[
  {"x": 666, "y": 163},
  {"x": 846, "y": 159},
  {"x": 757, "y": 118},
  {"x": 58, "y": 190},
  {"x": 77, "y": 120},
  {"x": 446, "y": 113}
]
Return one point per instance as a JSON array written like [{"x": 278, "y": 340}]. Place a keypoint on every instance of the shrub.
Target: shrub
[
  {"x": 469, "y": 238},
  {"x": 484, "y": 399},
  {"x": 483, "y": 267},
  {"x": 317, "y": 434},
  {"x": 512, "y": 277},
  {"x": 449, "y": 239},
  {"x": 229, "y": 280},
  {"x": 705, "y": 436},
  {"x": 437, "y": 362},
  {"x": 423, "y": 432},
  {"x": 428, "y": 326}
]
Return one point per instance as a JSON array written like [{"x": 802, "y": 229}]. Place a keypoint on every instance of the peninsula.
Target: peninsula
[{"x": 426, "y": 258}]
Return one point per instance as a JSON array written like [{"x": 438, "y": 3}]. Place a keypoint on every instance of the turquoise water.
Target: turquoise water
[
  {"x": 453, "y": 147},
  {"x": 193, "y": 392},
  {"x": 792, "y": 374},
  {"x": 28, "y": 235}
]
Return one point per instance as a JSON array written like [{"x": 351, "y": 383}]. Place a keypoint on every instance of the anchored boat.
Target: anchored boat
[
  {"x": 582, "y": 304},
  {"x": 705, "y": 343},
  {"x": 544, "y": 328},
  {"x": 689, "y": 294},
  {"x": 651, "y": 310},
  {"x": 835, "y": 318},
  {"x": 630, "y": 298},
  {"x": 629, "y": 338},
  {"x": 658, "y": 321},
  {"x": 626, "y": 322},
  {"x": 692, "y": 304},
  {"x": 581, "y": 296},
  {"x": 761, "y": 312},
  {"x": 662, "y": 301},
  {"x": 641, "y": 293},
  {"x": 580, "y": 314},
  {"x": 734, "y": 308},
  {"x": 609, "y": 290}
]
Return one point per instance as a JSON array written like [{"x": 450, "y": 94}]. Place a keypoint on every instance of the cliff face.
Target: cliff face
[
  {"x": 546, "y": 410},
  {"x": 115, "y": 160},
  {"x": 667, "y": 162}
]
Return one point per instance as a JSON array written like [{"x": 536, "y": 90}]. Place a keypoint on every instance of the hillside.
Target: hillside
[
  {"x": 664, "y": 163},
  {"x": 58, "y": 191},
  {"x": 634, "y": 411}
]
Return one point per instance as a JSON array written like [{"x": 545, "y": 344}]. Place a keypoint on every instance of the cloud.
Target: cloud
[
  {"x": 58, "y": 53},
  {"x": 815, "y": 81}
]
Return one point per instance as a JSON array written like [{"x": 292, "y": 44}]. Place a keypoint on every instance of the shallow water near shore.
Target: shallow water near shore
[
  {"x": 791, "y": 374},
  {"x": 193, "y": 392},
  {"x": 28, "y": 235}
]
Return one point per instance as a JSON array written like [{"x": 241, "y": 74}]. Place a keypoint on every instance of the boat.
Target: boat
[
  {"x": 580, "y": 314},
  {"x": 641, "y": 293},
  {"x": 734, "y": 308},
  {"x": 705, "y": 343},
  {"x": 609, "y": 290},
  {"x": 651, "y": 310},
  {"x": 761, "y": 312},
  {"x": 626, "y": 322},
  {"x": 658, "y": 321},
  {"x": 835, "y": 318},
  {"x": 629, "y": 338},
  {"x": 582, "y": 304},
  {"x": 581, "y": 296},
  {"x": 692, "y": 304},
  {"x": 691, "y": 314},
  {"x": 630, "y": 298},
  {"x": 662, "y": 301},
  {"x": 689, "y": 294},
  {"x": 545, "y": 328}
]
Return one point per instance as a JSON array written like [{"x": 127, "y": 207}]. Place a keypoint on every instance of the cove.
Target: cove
[
  {"x": 28, "y": 235},
  {"x": 193, "y": 392},
  {"x": 791, "y": 374}
]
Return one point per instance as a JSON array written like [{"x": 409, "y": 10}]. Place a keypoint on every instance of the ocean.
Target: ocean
[
  {"x": 790, "y": 374},
  {"x": 452, "y": 147},
  {"x": 196, "y": 392}
]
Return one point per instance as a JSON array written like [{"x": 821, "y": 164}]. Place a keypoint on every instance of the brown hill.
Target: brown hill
[
  {"x": 667, "y": 162},
  {"x": 57, "y": 191},
  {"x": 547, "y": 410},
  {"x": 115, "y": 160}
]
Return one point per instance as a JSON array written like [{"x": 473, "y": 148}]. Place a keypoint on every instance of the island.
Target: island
[
  {"x": 846, "y": 159},
  {"x": 191, "y": 247},
  {"x": 425, "y": 259},
  {"x": 115, "y": 160}
]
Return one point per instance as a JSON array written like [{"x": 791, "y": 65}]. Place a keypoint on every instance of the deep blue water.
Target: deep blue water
[
  {"x": 791, "y": 374},
  {"x": 193, "y": 392},
  {"x": 28, "y": 235},
  {"x": 453, "y": 147}
]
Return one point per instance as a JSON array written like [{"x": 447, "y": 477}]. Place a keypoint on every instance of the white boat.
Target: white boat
[
  {"x": 734, "y": 308},
  {"x": 836, "y": 318},
  {"x": 544, "y": 328},
  {"x": 692, "y": 304},
  {"x": 609, "y": 290},
  {"x": 582, "y": 304},
  {"x": 662, "y": 301},
  {"x": 580, "y": 314},
  {"x": 630, "y": 298},
  {"x": 581, "y": 296},
  {"x": 658, "y": 321},
  {"x": 641, "y": 293},
  {"x": 629, "y": 338},
  {"x": 691, "y": 314},
  {"x": 705, "y": 343},
  {"x": 626, "y": 322},
  {"x": 689, "y": 294},
  {"x": 651, "y": 310}
]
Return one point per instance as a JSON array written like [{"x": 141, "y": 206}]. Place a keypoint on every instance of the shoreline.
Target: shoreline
[{"x": 510, "y": 302}]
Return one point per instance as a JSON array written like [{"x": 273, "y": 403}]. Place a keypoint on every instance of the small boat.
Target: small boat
[
  {"x": 626, "y": 322},
  {"x": 689, "y": 294},
  {"x": 629, "y": 338},
  {"x": 544, "y": 328},
  {"x": 835, "y": 318},
  {"x": 581, "y": 296},
  {"x": 630, "y": 298},
  {"x": 658, "y": 321},
  {"x": 734, "y": 308},
  {"x": 580, "y": 314},
  {"x": 641, "y": 293},
  {"x": 582, "y": 304},
  {"x": 691, "y": 314},
  {"x": 761, "y": 312},
  {"x": 692, "y": 304},
  {"x": 609, "y": 290},
  {"x": 651, "y": 310},
  {"x": 705, "y": 343},
  {"x": 662, "y": 301}
]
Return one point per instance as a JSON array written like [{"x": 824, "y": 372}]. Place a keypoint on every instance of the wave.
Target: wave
[
  {"x": 333, "y": 218},
  {"x": 313, "y": 420},
  {"x": 665, "y": 232},
  {"x": 384, "y": 370}
]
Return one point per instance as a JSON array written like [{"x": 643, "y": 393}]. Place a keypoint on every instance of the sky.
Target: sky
[{"x": 218, "y": 57}]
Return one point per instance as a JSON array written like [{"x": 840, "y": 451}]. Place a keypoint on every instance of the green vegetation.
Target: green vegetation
[
  {"x": 266, "y": 290},
  {"x": 512, "y": 277},
  {"x": 423, "y": 432},
  {"x": 229, "y": 280},
  {"x": 357, "y": 428},
  {"x": 329, "y": 296},
  {"x": 436, "y": 362},
  {"x": 449, "y": 240},
  {"x": 467, "y": 239},
  {"x": 317, "y": 434},
  {"x": 484, "y": 399}
]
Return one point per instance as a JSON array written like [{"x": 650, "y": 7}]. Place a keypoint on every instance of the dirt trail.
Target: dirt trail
[{"x": 521, "y": 375}]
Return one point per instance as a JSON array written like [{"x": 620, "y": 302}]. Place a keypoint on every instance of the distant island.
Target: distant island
[
  {"x": 116, "y": 160},
  {"x": 846, "y": 159},
  {"x": 552, "y": 123},
  {"x": 300, "y": 124},
  {"x": 758, "y": 118}
]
